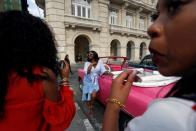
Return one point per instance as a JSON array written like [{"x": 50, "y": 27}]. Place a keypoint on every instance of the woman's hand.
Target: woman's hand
[
  {"x": 121, "y": 86},
  {"x": 50, "y": 85},
  {"x": 120, "y": 91},
  {"x": 94, "y": 63}
]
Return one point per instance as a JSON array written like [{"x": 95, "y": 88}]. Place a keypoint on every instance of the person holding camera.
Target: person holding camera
[{"x": 31, "y": 98}]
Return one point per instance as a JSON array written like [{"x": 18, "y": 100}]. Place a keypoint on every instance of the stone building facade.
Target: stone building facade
[
  {"x": 110, "y": 27},
  {"x": 6, "y": 5}
]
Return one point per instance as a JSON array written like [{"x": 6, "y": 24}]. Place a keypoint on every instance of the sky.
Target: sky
[{"x": 34, "y": 9}]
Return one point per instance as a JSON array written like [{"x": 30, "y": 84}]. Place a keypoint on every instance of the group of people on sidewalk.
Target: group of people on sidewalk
[{"x": 31, "y": 98}]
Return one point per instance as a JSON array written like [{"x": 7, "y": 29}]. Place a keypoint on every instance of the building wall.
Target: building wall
[
  {"x": 6, "y": 5},
  {"x": 97, "y": 29},
  {"x": 55, "y": 17},
  {"x": 1, "y": 5}
]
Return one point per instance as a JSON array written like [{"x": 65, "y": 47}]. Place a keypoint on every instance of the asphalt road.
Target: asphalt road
[{"x": 83, "y": 121}]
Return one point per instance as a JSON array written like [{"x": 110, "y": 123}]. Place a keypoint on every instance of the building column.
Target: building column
[
  {"x": 103, "y": 17},
  {"x": 137, "y": 51},
  {"x": 149, "y": 21},
  {"x": 123, "y": 51},
  {"x": 55, "y": 16},
  {"x": 94, "y": 10},
  {"x": 124, "y": 14},
  {"x": 68, "y": 7},
  {"x": 137, "y": 20}
]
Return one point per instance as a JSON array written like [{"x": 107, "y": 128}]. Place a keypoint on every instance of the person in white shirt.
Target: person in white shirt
[
  {"x": 173, "y": 46},
  {"x": 93, "y": 69}
]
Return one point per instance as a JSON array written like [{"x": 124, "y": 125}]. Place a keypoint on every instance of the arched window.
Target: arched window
[
  {"x": 115, "y": 48},
  {"x": 81, "y": 47},
  {"x": 81, "y": 8},
  {"x": 130, "y": 50},
  {"x": 143, "y": 49}
]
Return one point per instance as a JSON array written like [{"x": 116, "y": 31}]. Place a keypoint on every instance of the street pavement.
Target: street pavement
[{"x": 83, "y": 121}]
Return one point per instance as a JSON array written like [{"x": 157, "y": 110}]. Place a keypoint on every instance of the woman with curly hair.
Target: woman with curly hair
[
  {"x": 30, "y": 98},
  {"x": 93, "y": 68}
]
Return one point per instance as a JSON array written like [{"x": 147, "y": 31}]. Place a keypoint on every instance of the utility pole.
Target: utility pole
[{"x": 24, "y": 5}]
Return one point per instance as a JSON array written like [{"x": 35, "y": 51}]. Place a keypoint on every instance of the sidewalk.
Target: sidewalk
[{"x": 80, "y": 121}]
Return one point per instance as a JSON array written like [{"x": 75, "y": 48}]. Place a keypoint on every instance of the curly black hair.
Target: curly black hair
[{"x": 26, "y": 42}]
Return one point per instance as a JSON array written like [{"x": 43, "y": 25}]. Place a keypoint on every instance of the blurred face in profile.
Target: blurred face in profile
[{"x": 173, "y": 36}]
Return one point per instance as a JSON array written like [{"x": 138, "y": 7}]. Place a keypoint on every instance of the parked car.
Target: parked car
[
  {"x": 153, "y": 86},
  {"x": 146, "y": 63},
  {"x": 115, "y": 63}
]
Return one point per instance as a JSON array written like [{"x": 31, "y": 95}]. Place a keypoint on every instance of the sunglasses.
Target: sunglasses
[{"x": 90, "y": 54}]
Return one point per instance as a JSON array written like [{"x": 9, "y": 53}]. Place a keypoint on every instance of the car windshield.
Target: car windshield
[
  {"x": 113, "y": 61},
  {"x": 147, "y": 62}
]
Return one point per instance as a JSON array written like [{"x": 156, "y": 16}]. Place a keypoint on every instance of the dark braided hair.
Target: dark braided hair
[{"x": 26, "y": 41}]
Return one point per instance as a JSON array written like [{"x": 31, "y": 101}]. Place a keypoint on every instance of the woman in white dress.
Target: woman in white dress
[{"x": 93, "y": 69}]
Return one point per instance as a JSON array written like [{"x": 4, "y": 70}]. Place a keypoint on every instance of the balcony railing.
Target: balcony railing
[
  {"x": 149, "y": 3},
  {"x": 141, "y": 3},
  {"x": 128, "y": 31},
  {"x": 74, "y": 21}
]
